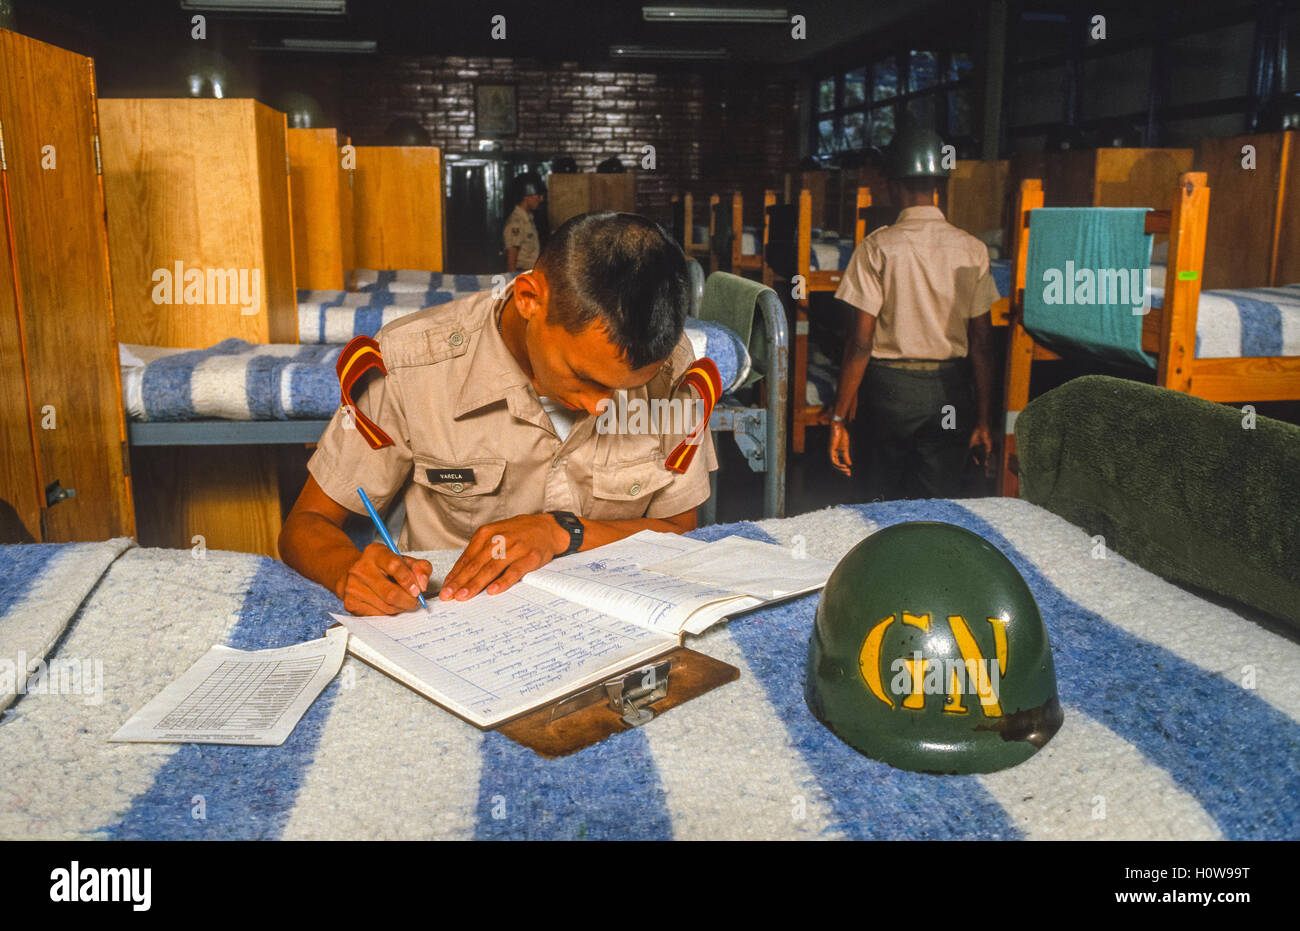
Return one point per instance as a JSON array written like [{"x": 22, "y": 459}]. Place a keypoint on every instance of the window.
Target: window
[
  {"x": 854, "y": 125},
  {"x": 922, "y": 71},
  {"x": 884, "y": 79},
  {"x": 882, "y": 126},
  {"x": 826, "y": 95},
  {"x": 859, "y": 106},
  {"x": 855, "y": 88},
  {"x": 825, "y": 137}
]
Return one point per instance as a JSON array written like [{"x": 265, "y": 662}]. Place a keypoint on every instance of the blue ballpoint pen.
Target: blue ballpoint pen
[{"x": 383, "y": 533}]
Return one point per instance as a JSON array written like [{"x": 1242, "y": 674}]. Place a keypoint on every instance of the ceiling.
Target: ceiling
[{"x": 561, "y": 30}]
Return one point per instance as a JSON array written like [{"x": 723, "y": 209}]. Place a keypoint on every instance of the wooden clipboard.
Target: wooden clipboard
[{"x": 621, "y": 703}]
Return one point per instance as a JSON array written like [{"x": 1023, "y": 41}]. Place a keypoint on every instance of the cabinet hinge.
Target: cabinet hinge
[
  {"x": 3, "y": 165},
  {"x": 99, "y": 165}
]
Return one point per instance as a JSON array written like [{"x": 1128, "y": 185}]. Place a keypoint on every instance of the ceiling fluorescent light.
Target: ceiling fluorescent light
[
  {"x": 333, "y": 46},
  {"x": 713, "y": 14},
  {"x": 647, "y": 51},
  {"x": 294, "y": 7}
]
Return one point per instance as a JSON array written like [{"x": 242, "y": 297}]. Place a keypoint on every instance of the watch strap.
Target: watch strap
[{"x": 570, "y": 522}]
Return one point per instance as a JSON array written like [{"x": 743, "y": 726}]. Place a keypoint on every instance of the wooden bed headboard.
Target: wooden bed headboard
[
  {"x": 197, "y": 185},
  {"x": 1103, "y": 177},
  {"x": 398, "y": 207},
  {"x": 977, "y": 196},
  {"x": 324, "y": 247}
]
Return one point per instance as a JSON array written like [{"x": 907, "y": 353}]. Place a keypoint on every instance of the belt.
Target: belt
[{"x": 917, "y": 365}]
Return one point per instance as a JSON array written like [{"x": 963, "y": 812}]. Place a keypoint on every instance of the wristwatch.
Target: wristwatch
[{"x": 570, "y": 522}]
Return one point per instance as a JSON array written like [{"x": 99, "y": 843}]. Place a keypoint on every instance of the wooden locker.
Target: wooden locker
[
  {"x": 977, "y": 194},
  {"x": 1243, "y": 208},
  {"x": 567, "y": 196},
  {"x": 397, "y": 202},
  {"x": 323, "y": 245},
  {"x": 1288, "y": 236},
  {"x": 198, "y": 184},
  {"x": 58, "y": 329}
]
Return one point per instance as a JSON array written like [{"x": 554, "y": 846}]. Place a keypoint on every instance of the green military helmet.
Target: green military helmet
[
  {"x": 916, "y": 152},
  {"x": 928, "y": 653}
]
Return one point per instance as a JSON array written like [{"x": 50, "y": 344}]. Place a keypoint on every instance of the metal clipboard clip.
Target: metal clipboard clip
[{"x": 630, "y": 695}]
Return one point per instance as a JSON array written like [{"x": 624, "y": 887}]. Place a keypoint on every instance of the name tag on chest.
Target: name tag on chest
[{"x": 436, "y": 476}]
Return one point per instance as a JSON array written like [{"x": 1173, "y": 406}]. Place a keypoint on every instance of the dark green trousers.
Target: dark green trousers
[{"x": 911, "y": 445}]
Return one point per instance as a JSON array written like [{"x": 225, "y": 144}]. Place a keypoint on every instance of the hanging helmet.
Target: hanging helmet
[
  {"x": 928, "y": 653},
  {"x": 406, "y": 131},
  {"x": 916, "y": 153}
]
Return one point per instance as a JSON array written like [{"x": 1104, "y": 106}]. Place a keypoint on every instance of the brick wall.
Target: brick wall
[{"x": 712, "y": 131}]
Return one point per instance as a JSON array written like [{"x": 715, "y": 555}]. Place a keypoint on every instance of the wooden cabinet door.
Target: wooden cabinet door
[
  {"x": 19, "y": 484},
  {"x": 54, "y": 212}
]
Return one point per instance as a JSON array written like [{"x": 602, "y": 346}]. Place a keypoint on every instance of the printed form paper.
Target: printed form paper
[{"x": 252, "y": 697}]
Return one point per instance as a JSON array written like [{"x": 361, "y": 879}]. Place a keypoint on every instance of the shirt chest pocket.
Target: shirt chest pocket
[
  {"x": 622, "y": 490},
  {"x": 464, "y": 494}
]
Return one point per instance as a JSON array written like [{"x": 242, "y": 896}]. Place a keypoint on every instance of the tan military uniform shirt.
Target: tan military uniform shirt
[
  {"x": 472, "y": 444},
  {"x": 923, "y": 279},
  {"x": 521, "y": 233}
]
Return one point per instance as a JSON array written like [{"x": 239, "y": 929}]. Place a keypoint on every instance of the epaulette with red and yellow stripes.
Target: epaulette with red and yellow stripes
[
  {"x": 703, "y": 376},
  {"x": 358, "y": 357}
]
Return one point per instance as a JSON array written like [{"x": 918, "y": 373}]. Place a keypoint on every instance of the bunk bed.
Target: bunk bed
[
  {"x": 238, "y": 394},
  {"x": 1187, "y": 331},
  {"x": 809, "y": 264}
]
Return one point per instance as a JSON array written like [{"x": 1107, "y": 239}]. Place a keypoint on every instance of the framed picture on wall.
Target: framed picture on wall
[{"x": 496, "y": 110}]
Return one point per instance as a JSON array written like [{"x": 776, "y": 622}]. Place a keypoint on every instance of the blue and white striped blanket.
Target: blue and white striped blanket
[
  {"x": 412, "y": 281},
  {"x": 831, "y": 254},
  {"x": 233, "y": 380},
  {"x": 1242, "y": 323},
  {"x": 827, "y": 252},
  {"x": 1001, "y": 271},
  {"x": 1161, "y": 738},
  {"x": 238, "y": 380},
  {"x": 337, "y": 316}
]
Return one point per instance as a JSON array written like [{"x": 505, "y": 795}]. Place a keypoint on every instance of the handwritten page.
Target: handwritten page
[
  {"x": 738, "y": 565},
  {"x": 493, "y": 657},
  {"x": 611, "y": 579},
  {"x": 253, "y": 697}
]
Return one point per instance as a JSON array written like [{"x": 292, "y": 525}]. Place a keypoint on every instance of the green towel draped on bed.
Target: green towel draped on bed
[
  {"x": 1086, "y": 272},
  {"x": 729, "y": 300}
]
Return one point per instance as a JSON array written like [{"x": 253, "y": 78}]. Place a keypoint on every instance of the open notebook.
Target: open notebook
[{"x": 577, "y": 621}]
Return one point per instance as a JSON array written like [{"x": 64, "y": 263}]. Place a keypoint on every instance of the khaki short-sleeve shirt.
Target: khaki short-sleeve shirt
[
  {"x": 472, "y": 443},
  {"x": 521, "y": 233},
  {"x": 923, "y": 279}
]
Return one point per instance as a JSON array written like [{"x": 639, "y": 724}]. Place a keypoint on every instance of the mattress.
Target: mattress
[
  {"x": 409, "y": 281},
  {"x": 1242, "y": 323},
  {"x": 238, "y": 380},
  {"x": 332, "y": 316},
  {"x": 1230, "y": 323},
  {"x": 830, "y": 254},
  {"x": 1161, "y": 738},
  {"x": 233, "y": 380}
]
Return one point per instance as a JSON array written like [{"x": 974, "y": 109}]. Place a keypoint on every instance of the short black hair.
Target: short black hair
[{"x": 624, "y": 272}]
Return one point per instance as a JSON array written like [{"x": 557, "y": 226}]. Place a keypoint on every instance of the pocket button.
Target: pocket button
[{"x": 635, "y": 489}]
